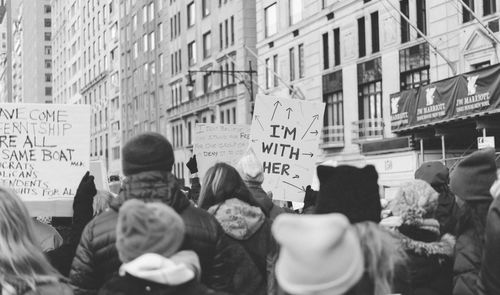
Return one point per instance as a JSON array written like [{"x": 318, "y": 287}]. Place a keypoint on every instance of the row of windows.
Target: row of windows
[
  {"x": 295, "y": 8},
  {"x": 99, "y": 152}
]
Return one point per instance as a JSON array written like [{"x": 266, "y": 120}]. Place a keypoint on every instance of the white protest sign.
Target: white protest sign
[
  {"x": 99, "y": 172},
  {"x": 285, "y": 137},
  {"x": 44, "y": 153},
  {"x": 219, "y": 143},
  {"x": 486, "y": 142}
]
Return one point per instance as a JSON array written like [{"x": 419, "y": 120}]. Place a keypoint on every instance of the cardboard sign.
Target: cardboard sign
[
  {"x": 219, "y": 143},
  {"x": 44, "y": 153},
  {"x": 99, "y": 172},
  {"x": 285, "y": 136}
]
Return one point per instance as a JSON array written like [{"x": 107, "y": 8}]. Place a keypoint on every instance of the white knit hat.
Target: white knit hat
[
  {"x": 250, "y": 168},
  {"x": 319, "y": 254}
]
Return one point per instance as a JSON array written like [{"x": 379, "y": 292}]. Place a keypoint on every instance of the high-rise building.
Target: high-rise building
[
  {"x": 353, "y": 55},
  {"x": 86, "y": 67},
  {"x": 208, "y": 43},
  {"x": 29, "y": 25}
]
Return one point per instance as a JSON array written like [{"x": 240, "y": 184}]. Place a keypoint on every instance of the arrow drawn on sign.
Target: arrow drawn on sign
[
  {"x": 299, "y": 188},
  {"x": 289, "y": 110},
  {"x": 296, "y": 176},
  {"x": 315, "y": 132},
  {"x": 257, "y": 118},
  {"x": 275, "y": 108},
  {"x": 308, "y": 154},
  {"x": 315, "y": 117}
]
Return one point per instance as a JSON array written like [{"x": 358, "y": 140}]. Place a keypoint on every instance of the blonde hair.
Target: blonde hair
[
  {"x": 101, "y": 201},
  {"x": 382, "y": 254},
  {"x": 21, "y": 258}
]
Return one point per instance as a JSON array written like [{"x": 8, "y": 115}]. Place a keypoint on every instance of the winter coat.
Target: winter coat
[
  {"x": 225, "y": 264},
  {"x": 468, "y": 256},
  {"x": 263, "y": 199},
  {"x": 154, "y": 274},
  {"x": 43, "y": 287},
  {"x": 429, "y": 263},
  {"x": 490, "y": 268},
  {"x": 249, "y": 226}
]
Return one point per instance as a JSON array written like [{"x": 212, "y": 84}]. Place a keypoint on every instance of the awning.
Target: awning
[{"x": 463, "y": 96}]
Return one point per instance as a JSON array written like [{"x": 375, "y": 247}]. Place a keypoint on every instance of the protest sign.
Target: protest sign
[
  {"x": 99, "y": 172},
  {"x": 44, "y": 153},
  {"x": 219, "y": 143},
  {"x": 285, "y": 136}
]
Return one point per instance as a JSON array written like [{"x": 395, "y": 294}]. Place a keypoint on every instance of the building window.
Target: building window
[
  {"x": 152, "y": 40},
  {"x": 375, "y": 32},
  {"x": 48, "y": 63},
  {"x": 48, "y": 91},
  {"x": 47, "y": 9},
  {"x": 301, "y": 61},
  {"x": 292, "y": 64},
  {"x": 207, "y": 83},
  {"x": 48, "y": 50},
  {"x": 144, "y": 14},
  {"x": 480, "y": 65},
  {"x": 489, "y": 7},
  {"x": 326, "y": 59},
  {"x": 405, "y": 26},
  {"x": 361, "y": 37},
  {"x": 207, "y": 44},
  {"x": 227, "y": 32},
  {"x": 414, "y": 66},
  {"x": 334, "y": 110},
  {"x": 205, "y": 7},
  {"x": 47, "y": 36},
  {"x": 295, "y": 10},
  {"x": 151, "y": 11},
  {"x": 191, "y": 14},
  {"x": 192, "y": 53},
  {"x": 422, "y": 17},
  {"x": 336, "y": 46},
  {"x": 370, "y": 89},
  {"x": 48, "y": 77},
  {"x": 466, "y": 15},
  {"x": 47, "y": 22},
  {"x": 275, "y": 69},
  {"x": 232, "y": 30},
  {"x": 271, "y": 20},
  {"x": 221, "y": 37},
  {"x": 268, "y": 74}
]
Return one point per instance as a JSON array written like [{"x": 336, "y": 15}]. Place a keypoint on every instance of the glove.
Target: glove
[
  {"x": 87, "y": 186},
  {"x": 192, "y": 165},
  {"x": 310, "y": 197}
]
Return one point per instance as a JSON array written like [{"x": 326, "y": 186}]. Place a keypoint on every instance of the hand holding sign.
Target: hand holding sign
[{"x": 285, "y": 137}]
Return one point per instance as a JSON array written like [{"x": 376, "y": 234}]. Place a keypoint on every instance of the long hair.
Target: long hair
[
  {"x": 101, "y": 201},
  {"x": 21, "y": 259},
  {"x": 382, "y": 254},
  {"x": 223, "y": 182}
]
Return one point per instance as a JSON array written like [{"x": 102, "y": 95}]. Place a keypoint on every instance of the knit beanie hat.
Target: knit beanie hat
[
  {"x": 351, "y": 191},
  {"x": 434, "y": 173},
  {"x": 473, "y": 177},
  {"x": 147, "y": 152},
  {"x": 148, "y": 228},
  {"x": 319, "y": 254},
  {"x": 250, "y": 168},
  {"x": 414, "y": 202}
]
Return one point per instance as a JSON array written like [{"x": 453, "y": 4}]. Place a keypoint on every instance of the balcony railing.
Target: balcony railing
[
  {"x": 332, "y": 136},
  {"x": 368, "y": 129}
]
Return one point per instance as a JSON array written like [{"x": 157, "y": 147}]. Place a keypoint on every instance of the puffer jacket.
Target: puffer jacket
[
  {"x": 226, "y": 265},
  {"x": 249, "y": 226},
  {"x": 468, "y": 256},
  {"x": 264, "y": 201},
  {"x": 490, "y": 268}
]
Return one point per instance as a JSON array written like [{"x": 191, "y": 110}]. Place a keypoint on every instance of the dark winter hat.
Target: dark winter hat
[
  {"x": 473, "y": 177},
  {"x": 351, "y": 191},
  {"x": 434, "y": 173},
  {"x": 147, "y": 152},
  {"x": 148, "y": 228}
]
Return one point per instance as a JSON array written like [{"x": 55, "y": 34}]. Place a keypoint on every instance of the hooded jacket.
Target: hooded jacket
[
  {"x": 226, "y": 266},
  {"x": 264, "y": 200},
  {"x": 155, "y": 274},
  {"x": 490, "y": 267},
  {"x": 249, "y": 226}
]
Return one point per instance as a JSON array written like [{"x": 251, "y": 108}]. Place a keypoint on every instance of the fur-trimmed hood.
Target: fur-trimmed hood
[{"x": 443, "y": 247}]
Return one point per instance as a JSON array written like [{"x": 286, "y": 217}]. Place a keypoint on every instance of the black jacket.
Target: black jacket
[
  {"x": 129, "y": 285},
  {"x": 490, "y": 267},
  {"x": 225, "y": 265}
]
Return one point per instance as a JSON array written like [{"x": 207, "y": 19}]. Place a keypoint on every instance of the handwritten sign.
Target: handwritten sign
[
  {"x": 219, "y": 143},
  {"x": 44, "y": 150},
  {"x": 285, "y": 136}
]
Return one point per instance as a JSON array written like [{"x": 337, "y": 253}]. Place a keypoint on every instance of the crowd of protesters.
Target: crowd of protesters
[{"x": 439, "y": 234}]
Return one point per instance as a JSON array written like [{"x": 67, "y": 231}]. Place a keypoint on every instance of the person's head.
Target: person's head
[
  {"x": 223, "y": 182},
  {"x": 434, "y": 173},
  {"x": 148, "y": 228},
  {"x": 101, "y": 201},
  {"x": 20, "y": 255},
  {"x": 250, "y": 168},
  {"x": 351, "y": 191},
  {"x": 147, "y": 152},
  {"x": 382, "y": 254},
  {"x": 319, "y": 254}
]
